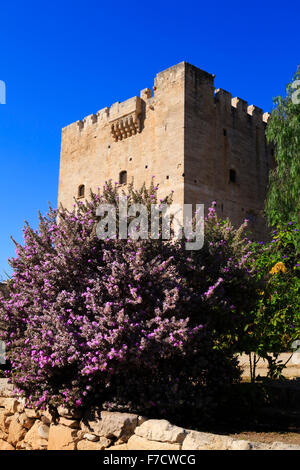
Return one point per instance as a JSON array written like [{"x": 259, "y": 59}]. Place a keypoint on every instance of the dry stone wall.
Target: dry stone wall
[{"x": 23, "y": 428}]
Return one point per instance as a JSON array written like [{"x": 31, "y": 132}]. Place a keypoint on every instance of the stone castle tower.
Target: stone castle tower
[{"x": 198, "y": 141}]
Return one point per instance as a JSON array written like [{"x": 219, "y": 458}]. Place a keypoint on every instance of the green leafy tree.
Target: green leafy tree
[
  {"x": 275, "y": 323},
  {"x": 283, "y": 130}
]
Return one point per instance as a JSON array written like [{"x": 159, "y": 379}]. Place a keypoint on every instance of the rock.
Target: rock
[
  {"x": 118, "y": 447},
  {"x": 5, "y": 445},
  {"x": 3, "y": 435},
  {"x": 25, "y": 421},
  {"x": 20, "y": 407},
  {"x": 161, "y": 430},
  {"x": 46, "y": 418},
  {"x": 239, "y": 444},
  {"x": 91, "y": 437},
  {"x": 32, "y": 413},
  {"x": 8, "y": 419},
  {"x": 2, "y": 402},
  {"x": 5, "y": 388},
  {"x": 141, "y": 420},
  {"x": 21, "y": 446},
  {"x": 43, "y": 431},
  {"x": 69, "y": 413},
  {"x": 118, "y": 425},
  {"x": 260, "y": 446},
  {"x": 102, "y": 444},
  {"x": 225, "y": 443},
  {"x": 281, "y": 446},
  {"x": 4, "y": 420},
  {"x": 34, "y": 438},
  {"x": 62, "y": 438},
  {"x": 80, "y": 434},
  {"x": 141, "y": 443},
  {"x": 199, "y": 441},
  {"x": 16, "y": 432},
  {"x": 22, "y": 401},
  {"x": 11, "y": 405},
  {"x": 206, "y": 441},
  {"x": 89, "y": 427},
  {"x": 70, "y": 423},
  {"x": 91, "y": 421}
]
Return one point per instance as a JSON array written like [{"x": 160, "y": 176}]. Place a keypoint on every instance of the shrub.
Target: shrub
[
  {"x": 126, "y": 324},
  {"x": 275, "y": 322}
]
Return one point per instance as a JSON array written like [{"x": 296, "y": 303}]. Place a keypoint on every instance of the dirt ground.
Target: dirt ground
[
  {"x": 292, "y": 369},
  {"x": 282, "y": 426},
  {"x": 269, "y": 437}
]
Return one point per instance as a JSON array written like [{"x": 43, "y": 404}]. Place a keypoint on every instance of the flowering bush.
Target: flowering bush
[{"x": 128, "y": 324}]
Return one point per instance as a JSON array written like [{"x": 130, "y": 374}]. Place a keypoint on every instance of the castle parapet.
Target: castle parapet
[
  {"x": 90, "y": 120},
  {"x": 223, "y": 98},
  {"x": 125, "y": 118},
  {"x": 171, "y": 75},
  {"x": 256, "y": 113},
  {"x": 146, "y": 93},
  {"x": 227, "y": 103},
  {"x": 240, "y": 105}
]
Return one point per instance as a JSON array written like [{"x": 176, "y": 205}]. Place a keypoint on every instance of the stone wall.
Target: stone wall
[{"x": 22, "y": 428}]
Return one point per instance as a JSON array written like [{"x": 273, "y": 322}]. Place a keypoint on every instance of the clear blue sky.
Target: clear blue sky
[{"x": 62, "y": 60}]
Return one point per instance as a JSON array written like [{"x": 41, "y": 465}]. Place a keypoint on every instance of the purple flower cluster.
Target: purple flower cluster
[{"x": 124, "y": 324}]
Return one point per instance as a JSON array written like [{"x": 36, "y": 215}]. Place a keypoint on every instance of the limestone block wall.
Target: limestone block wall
[{"x": 23, "y": 428}]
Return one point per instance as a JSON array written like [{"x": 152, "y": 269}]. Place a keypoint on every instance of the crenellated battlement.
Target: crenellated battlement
[
  {"x": 240, "y": 105},
  {"x": 125, "y": 118},
  {"x": 120, "y": 116},
  {"x": 227, "y": 103}
]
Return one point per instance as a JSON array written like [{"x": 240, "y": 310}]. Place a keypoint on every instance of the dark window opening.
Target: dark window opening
[
  {"x": 251, "y": 217},
  {"x": 225, "y": 132},
  {"x": 81, "y": 190},
  {"x": 232, "y": 176},
  {"x": 146, "y": 166},
  {"x": 123, "y": 177},
  {"x": 167, "y": 177}
]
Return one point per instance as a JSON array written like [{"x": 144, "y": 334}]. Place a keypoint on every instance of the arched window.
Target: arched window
[
  {"x": 232, "y": 175},
  {"x": 81, "y": 189},
  {"x": 123, "y": 177}
]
